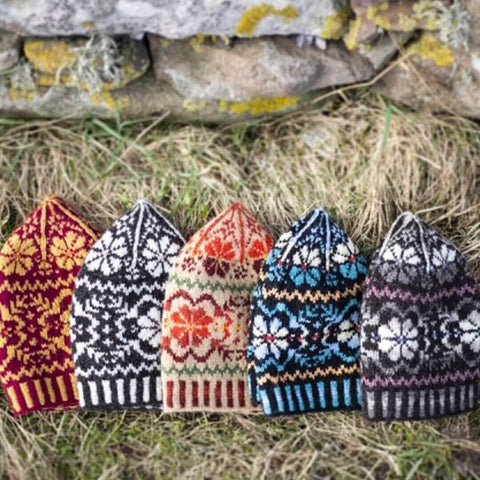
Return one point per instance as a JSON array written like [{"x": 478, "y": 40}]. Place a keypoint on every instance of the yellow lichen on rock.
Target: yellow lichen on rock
[
  {"x": 106, "y": 99},
  {"x": 254, "y": 15},
  {"x": 430, "y": 48},
  {"x": 423, "y": 14},
  {"x": 425, "y": 9},
  {"x": 374, "y": 13},
  {"x": 350, "y": 38},
  {"x": 197, "y": 41},
  {"x": 335, "y": 25},
  {"x": 21, "y": 94},
  {"x": 259, "y": 106},
  {"x": 49, "y": 56},
  {"x": 193, "y": 106}
]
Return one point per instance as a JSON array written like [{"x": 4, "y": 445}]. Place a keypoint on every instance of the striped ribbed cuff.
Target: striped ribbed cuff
[
  {"x": 42, "y": 394},
  {"x": 341, "y": 394},
  {"x": 119, "y": 393},
  {"x": 419, "y": 403},
  {"x": 201, "y": 395}
]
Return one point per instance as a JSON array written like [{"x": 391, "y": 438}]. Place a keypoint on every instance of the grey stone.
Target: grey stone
[
  {"x": 172, "y": 19},
  {"x": 249, "y": 69},
  {"x": 384, "y": 49},
  {"x": 10, "y": 45},
  {"x": 438, "y": 75},
  {"x": 144, "y": 97}
]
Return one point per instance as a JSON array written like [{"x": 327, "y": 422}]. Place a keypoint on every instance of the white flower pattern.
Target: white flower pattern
[
  {"x": 344, "y": 252},
  {"x": 271, "y": 340},
  {"x": 398, "y": 339},
  {"x": 158, "y": 255},
  {"x": 307, "y": 257},
  {"x": 108, "y": 254}
]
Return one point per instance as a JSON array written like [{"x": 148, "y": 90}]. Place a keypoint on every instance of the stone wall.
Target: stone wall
[{"x": 231, "y": 60}]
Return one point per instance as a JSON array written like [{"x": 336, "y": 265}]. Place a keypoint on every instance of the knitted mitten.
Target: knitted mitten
[
  {"x": 117, "y": 307},
  {"x": 38, "y": 267},
  {"x": 420, "y": 327},
  {"x": 206, "y": 315},
  {"x": 304, "y": 333}
]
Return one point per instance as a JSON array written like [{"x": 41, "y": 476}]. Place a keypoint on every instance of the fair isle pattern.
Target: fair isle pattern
[
  {"x": 38, "y": 266},
  {"x": 206, "y": 314},
  {"x": 303, "y": 344},
  {"x": 420, "y": 333},
  {"x": 117, "y": 308}
]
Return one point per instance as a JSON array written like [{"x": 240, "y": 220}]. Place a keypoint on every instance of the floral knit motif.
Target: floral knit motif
[
  {"x": 206, "y": 314},
  {"x": 420, "y": 327},
  {"x": 38, "y": 267},
  {"x": 304, "y": 341},
  {"x": 117, "y": 309}
]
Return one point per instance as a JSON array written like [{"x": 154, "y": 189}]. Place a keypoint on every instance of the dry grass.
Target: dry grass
[{"x": 365, "y": 161}]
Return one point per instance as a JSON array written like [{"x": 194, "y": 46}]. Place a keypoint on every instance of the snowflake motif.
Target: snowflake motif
[
  {"x": 158, "y": 255},
  {"x": 345, "y": 252},
  {"x": 69, "y": 251},
  {"x": 442, "y": 256},
  {"x": 149, "y": 324},
  {"x": 220, "y": 250},
  {"x": 260, "y": 248},
  {"x": 190, "y": 326},
  {"x": 444, "y": 259},
  {"x": 401, "y": 256},
  {"x": 16, "y": 256},
  {"x": 399, "y": 339},
  {"x": 216, "y": 267},
  {"x": 269, "y": 340},
  {"x": 470, "y": 328},
  {"x": 302, "y": 275},
  {"x": 307, "y": 258},
  {"x": 108, "y": 254}
]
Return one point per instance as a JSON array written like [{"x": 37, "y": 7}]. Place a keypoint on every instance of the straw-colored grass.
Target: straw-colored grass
[{"x": 365, "y": 161}]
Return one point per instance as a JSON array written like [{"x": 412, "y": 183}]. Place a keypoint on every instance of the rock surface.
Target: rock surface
[
  {"x": 96, "y": 64},
  {"x": 9, "y": 49},
  {"x": 175, "y": 19},
  {"x": 249, "y": 69},
  {"x": 295, "y": 52},
  {"x": 142, "y": 98},
  {"x": 438, "y": 72}
]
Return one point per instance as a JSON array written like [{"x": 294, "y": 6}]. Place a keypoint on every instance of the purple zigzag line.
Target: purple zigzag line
[
  {"x": 423, "y": 298},
  {"x": 431, "y": 379}
]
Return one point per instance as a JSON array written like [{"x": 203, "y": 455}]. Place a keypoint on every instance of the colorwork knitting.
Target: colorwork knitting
[
  {"x": 117, "y": 309},
  {"x": 304, "y": 340},
  {"x": 38, "y": 267},
  {"x": 420, "y": 327},
  {"x": 206, "y": 315}
]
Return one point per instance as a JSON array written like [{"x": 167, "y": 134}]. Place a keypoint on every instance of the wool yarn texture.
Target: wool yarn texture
[
  {"x": 38, "y": 266},
  {"x": 420, "y": 337},
  {"x": 117, "y": 310},
  {"x": 303, "y": 349},
  {"x": 206, "y": 315}
]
